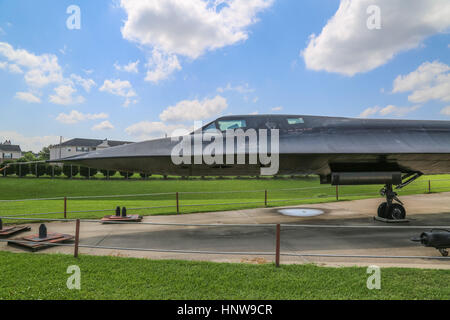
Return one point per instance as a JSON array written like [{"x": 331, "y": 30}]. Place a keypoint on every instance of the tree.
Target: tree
[
  {"x": 126, "y": 175},
  {"x": 22, "y": 169},
  {"x": 9, "y": 170},
  {"x": 108, "y": 173},
  {"x": 39, "y": 169},
  {"x": 145, "y": 175},
  {"x": 27, "y": 157},
  {"x": 54, "y": 170},
  {"x": 68, "y": 172},
  {"x": 44, "y": 154},
  {"x": 87, "y": 173}
]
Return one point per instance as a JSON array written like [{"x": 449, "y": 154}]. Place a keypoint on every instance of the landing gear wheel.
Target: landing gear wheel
[
  {"x": 396, "y": 212},
  {"x": 444, "y": 252},
  {"x": 382, "y": 212}
]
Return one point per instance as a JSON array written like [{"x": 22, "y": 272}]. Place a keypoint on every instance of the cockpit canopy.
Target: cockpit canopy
[{"x": 282, "y": 123}]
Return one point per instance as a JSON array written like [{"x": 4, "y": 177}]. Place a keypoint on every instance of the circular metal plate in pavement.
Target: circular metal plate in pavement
[{"x": 301, "y": 212}]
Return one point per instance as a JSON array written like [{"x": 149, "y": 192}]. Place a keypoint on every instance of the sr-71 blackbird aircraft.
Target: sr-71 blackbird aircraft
[{"x": 342, "y": 151}]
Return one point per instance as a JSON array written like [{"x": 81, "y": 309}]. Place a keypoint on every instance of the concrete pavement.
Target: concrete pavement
[{"x": 423, "y": 210}]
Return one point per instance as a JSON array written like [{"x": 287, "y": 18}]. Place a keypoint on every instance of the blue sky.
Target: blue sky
[{"x": 139, "y": 69}]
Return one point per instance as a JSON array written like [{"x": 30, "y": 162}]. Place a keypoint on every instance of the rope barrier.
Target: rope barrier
[{"x": 238, "y": 252}]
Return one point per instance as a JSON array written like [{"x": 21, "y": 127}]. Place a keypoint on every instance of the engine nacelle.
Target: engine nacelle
[
  {"x": 363, "y": 178},
  {"x": 439, "y": 239}
]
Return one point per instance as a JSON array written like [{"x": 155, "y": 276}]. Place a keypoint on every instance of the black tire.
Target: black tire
[
  {"x": 396, "y": 212},
  {"x": 382, "y": 212}
]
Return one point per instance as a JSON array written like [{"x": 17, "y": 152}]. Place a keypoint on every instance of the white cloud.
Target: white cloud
[
  {"x": 75, "y": 116},
  {"x": 28, "y": 143},
  {"x": 191, "y": 110},
  {"x": 120, "y": 88},
  {"x": 397, "y": 111},
  {"x": 87, "y": 84},
  {"x": 41, "y": 69},
  {"x": 388, "y": 110},
  {"x": 280, "y": 108},
  {"x": 430, "y": 81},
  {"x": 63, "y": 50},
  {"x": 28, "y": 97},
  {"x": 446, "y": 111},
  {"x": 14, "y": 68},
  {"x": 347, "y": 46},
  {"x": 244, "y": 88},
  {"x": 161, "y": 66},
  {"x": 64, "y": 96},
  {"x": 131, "y": 67},
  {"x": 102, "y": 126},
  {"x": 369, "y": 112},
  {"x": 188, "y": 28},
  {"x": 147, "y": 130}
]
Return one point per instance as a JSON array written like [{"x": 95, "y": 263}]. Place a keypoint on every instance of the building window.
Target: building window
[
  {"x": 82, "y": 149},
  {"x": 68, "y": 150},
  {"x": 7, "y": 156}
]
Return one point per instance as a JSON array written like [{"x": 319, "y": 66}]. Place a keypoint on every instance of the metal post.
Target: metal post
[
  {"x": 178, "y": 203},
  {"x": 337, "y": 193},
  {"x": 89, "y": 173},
  {"x": 77, "y": 238},
  {"x": 265, "y": 198},
  {"x": 277, "y": 247},
  {"x": 53, "y": 172},
  {"x": 35, "y": 170},
  {"x": 429, "y": 186},
  {"x": 65, "y": 207},
  {"x": 20, "y": 170},
  {"x": 71, "y": 174}
]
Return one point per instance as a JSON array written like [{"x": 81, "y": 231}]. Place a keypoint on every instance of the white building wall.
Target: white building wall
[
  {"x": 67, "y": 151},
  {"x": 15, "y": 155}
]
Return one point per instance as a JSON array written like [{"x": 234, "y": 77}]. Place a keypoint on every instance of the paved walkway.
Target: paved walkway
[{"x": 423, "y": 210}]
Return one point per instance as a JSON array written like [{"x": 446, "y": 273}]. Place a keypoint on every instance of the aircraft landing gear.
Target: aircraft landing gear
[
  {"x": 389, "y": 210},
  {"x": 395, "y": 211}
]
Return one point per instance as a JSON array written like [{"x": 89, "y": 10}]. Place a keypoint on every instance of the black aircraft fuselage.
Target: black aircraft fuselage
[
  {"x": 341, "y": 151},
  {"x": 307, "y": 145}
]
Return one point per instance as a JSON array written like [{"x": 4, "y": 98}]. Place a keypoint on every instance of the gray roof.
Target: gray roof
[
  {"x": 78, "y": 142},
  {"x": 9, "y": 148}
]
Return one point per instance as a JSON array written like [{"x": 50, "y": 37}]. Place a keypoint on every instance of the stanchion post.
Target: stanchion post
[
  {"x": 178, "y": 203},
  {"x": 277, "y": 252},
  {"x": 65, "y": 207},
  {"x": 429, "y": 186},
  {"x": 337, "y": 193},
  {"x": 77, "y": 238},
  {"x": 265, "y": 198}
]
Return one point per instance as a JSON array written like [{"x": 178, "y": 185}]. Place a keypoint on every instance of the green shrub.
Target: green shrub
[
  {"x": 39, "y": 169},
  {"x": 9, "y": 170},
  {"x": 108, "y": 173},
  {"x": 126, "y": 175},
  {"x": 68, "y": 172},
  {"x": 22, "y": 169},
  {"x": 87, "y": 173},
  {"x": 53, "y": 170}
]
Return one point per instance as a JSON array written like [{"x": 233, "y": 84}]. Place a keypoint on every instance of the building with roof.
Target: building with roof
[
  {"x": 9, "y": 151},
  {"x": 78, "y": 146}
]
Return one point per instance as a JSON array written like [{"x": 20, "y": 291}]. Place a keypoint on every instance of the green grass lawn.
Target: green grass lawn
[
  {"x": 205, "y": 198},
  {"x": 41, "y": 276}
]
